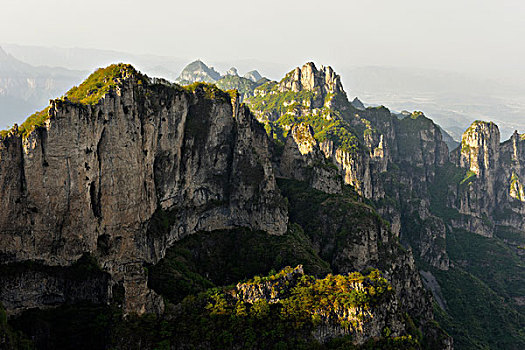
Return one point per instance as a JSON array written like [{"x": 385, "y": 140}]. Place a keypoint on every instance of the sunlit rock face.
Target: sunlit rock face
[
  {"x": 492, "y": 192},
  {"x": 95, "y": 178}
]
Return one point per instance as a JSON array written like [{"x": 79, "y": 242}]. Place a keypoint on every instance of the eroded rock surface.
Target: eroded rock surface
[{"x": 93, "y": 177}]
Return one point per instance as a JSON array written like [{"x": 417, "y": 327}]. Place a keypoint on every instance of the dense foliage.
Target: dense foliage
[
  {"x": 213, "y": 319},
  {"x": 217, "y": 258},
  {"x": 481, "y": 292}
]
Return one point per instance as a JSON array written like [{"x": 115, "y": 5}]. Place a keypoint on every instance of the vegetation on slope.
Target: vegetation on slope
[
  {"x": 34, "y": 121},
  {"x": 99, "y": 83},
  {"x": 233, "y": 82},
  {"x": 217, "y": 258},
  {"x": 482, "y": 293},
  {"x": 330, "y": 221},
  {"x": 281, "y": 110},
  {"x": 483, "y": 288},
  {"x": 9, "y": 338},
  {"x": 476, "y": 316},
  {"x": 213, "y": 319}
]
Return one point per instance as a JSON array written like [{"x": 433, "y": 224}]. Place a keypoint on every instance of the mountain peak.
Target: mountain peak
[
  {"x": 357, "y": 103},
  {"x": 101, "y": 81},
  {"x": 479, "y": 147},
  {"x": 198, "y": 71},
  {"x": 253, "y": 75},
  {"x": 309, "y": 78},
  {"x": 232, "y": 71}
]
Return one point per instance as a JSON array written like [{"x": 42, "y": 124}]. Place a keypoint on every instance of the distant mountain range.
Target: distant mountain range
[
  {"x": 25, "y": 88},
  {"x": 451, "y": 99},
  {"x": 198, "y": 71}
]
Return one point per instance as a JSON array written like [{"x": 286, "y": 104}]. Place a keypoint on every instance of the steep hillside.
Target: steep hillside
[
  {"x": 130, "y": 195},
  {"x": 401, "y": 163}
]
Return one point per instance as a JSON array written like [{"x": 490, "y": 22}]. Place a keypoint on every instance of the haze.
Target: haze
[
  {"x": 481, "y": 37},
  {"x": 456, "y": 60}
]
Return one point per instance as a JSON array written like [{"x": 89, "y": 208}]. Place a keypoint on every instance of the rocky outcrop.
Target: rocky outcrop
[
  {"x": 303, "y": 160},
  {"x": 197, "y": 71},
  {"x": 356, "y": 102},
  {"x": 351, "y": 236},
  {"x": 386, "y": 159},
  {"x": 271, "y": 290},
  {"x": 309, "y": 78},
  {"x": 232, "y": 71},
  {"x": 97, "y": 179},
  {"x": 26, "y": 285},
  {"x": 362, "y": 322},
  {"x": 492, "y": 192},
  {"x": 253, "y": 75},
  {"x": 479, "y": 149},
  {"x": 479, "y": 153}
]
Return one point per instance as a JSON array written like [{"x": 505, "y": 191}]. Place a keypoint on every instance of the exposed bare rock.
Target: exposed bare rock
[
  {"x": 303, "y": 160},
  {"x": 94, "y": 176},
  {"x": 309, "y": 78},
  {"x": 492, "y": 192},
  {"x": 232, "y": 71}
]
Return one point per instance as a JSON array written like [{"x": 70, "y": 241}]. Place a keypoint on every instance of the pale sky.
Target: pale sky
[{"x": 474, "y": 36}]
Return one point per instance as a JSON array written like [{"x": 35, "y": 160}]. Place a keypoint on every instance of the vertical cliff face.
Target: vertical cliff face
[
  {"x": 388, "y": 160},
  {"x": 492, "y": 190},
  {"x": 303, "y": 160},
  {"x": 480, "y": 155},
  {"x": 93, "y": 178},
  {"x": 479, "y": 148},
  {"x": 125, "y": 166},
  {"x": 511, "y": 176}
]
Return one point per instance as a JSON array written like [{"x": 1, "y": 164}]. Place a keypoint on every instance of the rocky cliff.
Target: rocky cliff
[
  {"x": 124, "y": 168},
  {"x": 386, "y": 159},
  {"x": 492, "y": 190},
  {"x": 362, "y": 307},
  {"x": 94, "y": 178}
]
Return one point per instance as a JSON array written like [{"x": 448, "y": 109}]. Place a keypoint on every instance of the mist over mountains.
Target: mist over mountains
[
  {"x": 25, "y": 88},
  {"x": 451, "y": 99}
]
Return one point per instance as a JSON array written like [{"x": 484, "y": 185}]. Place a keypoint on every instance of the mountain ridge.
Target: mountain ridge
[
  {"x": 201, "y": 163},
  {"x": 345, "y": 184}
]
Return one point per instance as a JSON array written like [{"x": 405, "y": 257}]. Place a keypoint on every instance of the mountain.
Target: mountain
[
  {"x": 151, "y": 213},
  {"x": 253, "y": 75},
  {"x": 461, "y": 213},
  {"x": 87, "y": 60},
  {"x": 25, "y": 88},
  {"x": 232, "y": 71},
  {"x": 356, "y": 102},
  {"x": 197, "y": 71},
  {"x": 451, "y": 99},
  {"x": 132, "y": 194}
]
